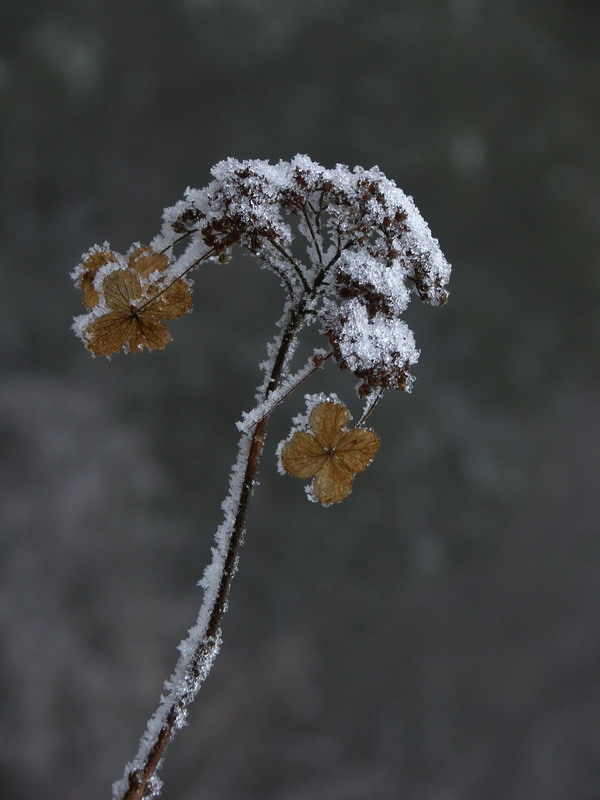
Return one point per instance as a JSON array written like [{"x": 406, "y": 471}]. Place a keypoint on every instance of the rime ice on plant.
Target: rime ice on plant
[{"x": 350, "y": 250}]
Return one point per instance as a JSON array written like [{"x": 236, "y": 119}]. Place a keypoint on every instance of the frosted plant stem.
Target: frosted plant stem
[
  {"x": 200, "y": 647},
  {"x": 262, "y": 410}
]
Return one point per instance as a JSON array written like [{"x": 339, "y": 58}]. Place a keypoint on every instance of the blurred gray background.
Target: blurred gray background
[{"x": 435, "y": 637}]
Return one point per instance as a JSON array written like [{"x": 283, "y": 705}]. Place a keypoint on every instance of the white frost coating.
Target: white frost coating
[
  {"x": 379, "y": 343},
  {"x": 310, "y": 495},
  {"x": 364, "y": 342},
  {"x": 77, "y": 273},
  {"x": 268, "y": 365},
  {"x": 381, "y": 277},
  {"x": 369, "y": 405}
]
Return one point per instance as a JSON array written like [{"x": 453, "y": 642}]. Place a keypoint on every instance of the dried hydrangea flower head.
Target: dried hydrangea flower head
[
  {"x": 134, "y": 314},
  {"x": 330, "y": 453},
  {"x": 350, "y": 249},
  {"x": 368, "y": 247},
  {"x": 127, "y": 298}
]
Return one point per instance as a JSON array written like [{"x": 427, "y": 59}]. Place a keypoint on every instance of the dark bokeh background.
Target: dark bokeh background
[{"x": 436, "y": 637}]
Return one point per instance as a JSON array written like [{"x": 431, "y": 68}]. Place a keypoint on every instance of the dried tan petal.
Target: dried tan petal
[
  {"x": 148, "y": 333},
  {"x": 97, "y": 259},
  {"x": 333, "y": 483},
  {"x": 90, "y": 295},
  {"x": 302, "y": 456},
  {"x": 107, "y": 334},
  {"x": 327, "y": 419},
  {"x": 174, "y": 302},
  {"x": 130, "y": 321},
  {"x": 120, "y": 289},
  {"x": 110, "y": 332},
  {"x": 144, "y": 260},
  {"x": 91, "y": 265},
  {"x": 356, "y": 449}
]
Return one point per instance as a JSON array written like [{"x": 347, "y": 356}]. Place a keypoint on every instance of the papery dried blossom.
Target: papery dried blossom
[
  {"x": 128, "y": 296},
  {"x": 331, "y": 454},
  {"x": 133, "y": 316}
]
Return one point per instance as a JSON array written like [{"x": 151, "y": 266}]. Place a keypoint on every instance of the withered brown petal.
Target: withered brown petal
[
  {"x": 92, "y": 264},
  {"x": 149, "y": 333},
  {"x": 107, "y": 334},
  {"x": 172, "y": 303},
  {"x": 303, "y": 456},
  {"x": 120, "y": 288},
  {"x": 327, "y": 419},
  {"x": 357, "y": 448},
  {"x": 98, "y": 259},
  {"x": 145, "y": 260},
  {"x": 90, "y": 295},
  {"x": 332, "y": 483}
]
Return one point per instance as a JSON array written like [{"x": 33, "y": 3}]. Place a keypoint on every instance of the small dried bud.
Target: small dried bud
[{"x": 187, "y": 220}]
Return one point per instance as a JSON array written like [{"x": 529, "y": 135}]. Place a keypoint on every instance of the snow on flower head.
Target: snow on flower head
[{"x": 379, "y": 349}]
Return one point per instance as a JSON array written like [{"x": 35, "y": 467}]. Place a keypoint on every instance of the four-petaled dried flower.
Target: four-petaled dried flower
[
  {"x": 134, "y": 316},
  {"x": 330, "y": 454}
]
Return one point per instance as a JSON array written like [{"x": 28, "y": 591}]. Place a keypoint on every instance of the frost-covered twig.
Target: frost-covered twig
[
  {"x": 367, "y": 246},
  {"x": 263, "y": 409}
]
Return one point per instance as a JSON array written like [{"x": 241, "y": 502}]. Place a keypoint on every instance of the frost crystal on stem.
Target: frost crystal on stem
[{"x": 349, "y": 249}]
